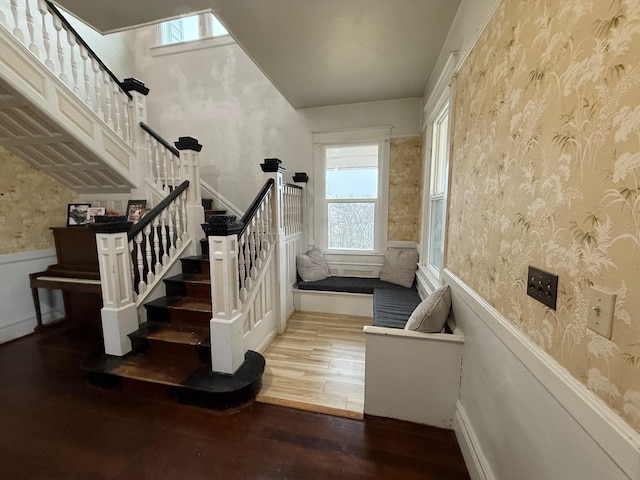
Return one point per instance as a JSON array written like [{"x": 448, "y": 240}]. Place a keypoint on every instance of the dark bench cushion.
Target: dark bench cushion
[
  {"x": 351, "y": 285},
  {"x": 393, "y": 307}
]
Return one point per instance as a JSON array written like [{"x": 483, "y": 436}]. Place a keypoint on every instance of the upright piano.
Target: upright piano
[{"x": 77, "y": 274}]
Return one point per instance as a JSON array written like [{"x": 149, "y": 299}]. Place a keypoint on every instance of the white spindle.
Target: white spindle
[
  {"x": 16, "y": 24},
  {"x": 148, "y": 243},
  {"x": 71, "y": 39},
  {"x": 42, "y": 7},
  {"x": 183, "y": 203},
  {"x": 172, "y": 162},
  {"x": 125, "y": 116},
  {"x": 166, "y": 188},
  {"x": 178, "y": 217},
  {"x": 148, "y": 140},
  {"x": 107, "y": 98},
  {"x": 156, "y": 245},
  {"x": 163, "y": 236},
  {"x": 242, "y": 267},
  {"x": 158, "y": 169},
  {"x": 142, "y": 285},
  {"x": 30, "y": 27},
  {"x": 84, "y": 55},
  {"x": 116, "y": 108},
  {"x": 57, "y": 24},
  {"x": 133, "y": 269},
  {"x": 95, "y": 66},
  {"x": 172, "y": 233}
]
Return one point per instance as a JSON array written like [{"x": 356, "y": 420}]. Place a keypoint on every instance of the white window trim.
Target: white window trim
[
  {"x": 441, "y": 94},
  {"x": 379, "y": 135}
]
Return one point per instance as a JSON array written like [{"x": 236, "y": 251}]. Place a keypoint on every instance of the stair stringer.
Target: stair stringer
[{"x": 67, "y": 140}]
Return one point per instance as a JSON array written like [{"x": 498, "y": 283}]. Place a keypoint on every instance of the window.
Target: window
[
  {"x": 186, "y": 29},
  {"x": 352, "y": 179},
  {"x": 438, "y": 173}
]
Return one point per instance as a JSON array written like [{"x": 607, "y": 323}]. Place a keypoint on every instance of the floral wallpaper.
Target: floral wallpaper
[
  {"x": 405, "y": 178},
  {"x": 546, "y": 172},
  {"x": 30, "y": 203}
]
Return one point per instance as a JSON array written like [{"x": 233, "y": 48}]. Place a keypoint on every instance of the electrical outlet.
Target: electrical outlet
[
  {"x": 600, "y": 313},
  {"x": 543, "y": 286}
]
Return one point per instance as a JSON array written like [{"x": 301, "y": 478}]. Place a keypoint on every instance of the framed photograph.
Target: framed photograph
[
  {"x": 93, "y": 212},
  {"x": 135, "y": 210},
  {"x": 77, "y": 214}
]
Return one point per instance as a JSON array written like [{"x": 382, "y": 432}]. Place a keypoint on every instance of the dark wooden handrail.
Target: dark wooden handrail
[
  {"x": 64, "y": 21},
  {"x": 253, "y": 208},
  {"x": 155, "y": 211},
  {"x": 160, "y": 140}
]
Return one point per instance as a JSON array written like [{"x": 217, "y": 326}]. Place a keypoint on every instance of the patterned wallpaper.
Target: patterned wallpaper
[
  {"x": 405, "y": 177},
  {"x": 546, "y": 172},
  {"x": 30, "y": 203}
]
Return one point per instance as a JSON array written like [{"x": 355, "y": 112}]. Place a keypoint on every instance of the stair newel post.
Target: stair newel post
[
  {"x": 119, "y": 313},
  {"x": 190, "y": 170},
  {"x": 136, "y": 113},
  {"x": 227, "y": 322},
  {"x": 272, "y": 167}
]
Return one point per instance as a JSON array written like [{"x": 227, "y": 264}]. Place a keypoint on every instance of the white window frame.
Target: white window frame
[
  {"x": 441, "y": 97},
  {"x": 206, "y": 38},
  {"x": 323, "y": 140}
]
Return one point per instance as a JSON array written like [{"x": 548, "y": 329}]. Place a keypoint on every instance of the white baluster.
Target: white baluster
[
  {"x": 158, "y": 169},
  {"x": 71, "y": 38},
  {"x": 133, "y": 270},
  {"x": 149, "y": 253},
  {"x": 97, "y": 105},
  {"x": 247, "y": 258},
  {"x": 156, "y": 244},
  {"x": 32, "y": 45},
  {"x": 172, "y": 162},
  {"x": 254, "y": 253},
  {"x": 3, "y": 20},
  {"x": 57, "y": 24},
  {"x": 107, "y": 97},
  {"x": 241, "y": 267},
  {"x": 116, "y": 108},
  {"x": 16, "y": 29},
  {"x": 84, "y": 55},
  {"x": 42, "y": 7},
  {"x": 178, "y": 216},
  {"x": 163, "y": 236},
  {"x": 166, "y": 188},
  {"x": 125, "y": 115},
  {"x": 172, "y": 233},
  {"x": 152, "y": 177},
  {"x": 142, "y": 285},
  {"x": 183, "y": 202}
]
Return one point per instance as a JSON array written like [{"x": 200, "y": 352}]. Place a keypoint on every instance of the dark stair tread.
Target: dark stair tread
[
  {"x": 199, "y": 278},
  {"x": 174, "y": 333},
  {"x": 182, "y": 303},
  {"x": 138, "y": 366}
]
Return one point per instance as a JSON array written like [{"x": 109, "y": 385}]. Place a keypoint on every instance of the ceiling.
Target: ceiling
[{"x": 316, "y": 52}]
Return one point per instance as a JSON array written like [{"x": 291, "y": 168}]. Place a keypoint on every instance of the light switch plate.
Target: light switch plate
[{"x": 600, "y": 311}]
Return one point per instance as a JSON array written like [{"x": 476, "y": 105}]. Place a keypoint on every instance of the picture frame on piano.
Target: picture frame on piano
[
  {"x": 93, "y": 212},
  {"x": 135, "y": 210},
  {"x": 77, "y": 214}
]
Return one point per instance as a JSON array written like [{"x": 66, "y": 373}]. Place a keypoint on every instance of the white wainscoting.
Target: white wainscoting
[
  {"x": 18, "y": 316},
  {"x": 522, "y": 416}
]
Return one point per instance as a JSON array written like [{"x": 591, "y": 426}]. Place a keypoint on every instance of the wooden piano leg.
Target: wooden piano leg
[{"x": 36, "y": 304}]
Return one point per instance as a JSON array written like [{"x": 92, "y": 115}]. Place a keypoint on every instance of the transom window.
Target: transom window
[{"x": 186, "y": 29}]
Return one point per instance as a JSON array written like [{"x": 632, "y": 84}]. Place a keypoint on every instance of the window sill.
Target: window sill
[{"x": 183, "y": 47}]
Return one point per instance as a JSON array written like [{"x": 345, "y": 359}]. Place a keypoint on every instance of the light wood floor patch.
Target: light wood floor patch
[{"x": 317, "y": 365}]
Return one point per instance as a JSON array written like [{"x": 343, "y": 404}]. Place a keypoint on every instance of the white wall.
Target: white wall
[
  {"x": 220, "y": 97},
  {"x": 17, "y": 316},
  {"x": 403, "y": 116}
]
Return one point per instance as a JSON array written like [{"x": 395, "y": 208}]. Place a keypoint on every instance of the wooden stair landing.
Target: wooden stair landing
[{"x": 172, "y": 350}]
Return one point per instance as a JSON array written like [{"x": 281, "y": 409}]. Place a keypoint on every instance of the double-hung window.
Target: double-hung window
[{"x": 351, "y": 183}]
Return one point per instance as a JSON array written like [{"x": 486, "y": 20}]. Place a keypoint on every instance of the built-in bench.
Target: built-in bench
[{"x": 409, "y": 375}]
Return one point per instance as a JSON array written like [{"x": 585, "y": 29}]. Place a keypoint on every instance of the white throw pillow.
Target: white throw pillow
[
  {"x": 400, "y": 265},
  {"x": 312, "y": 266},
  {"x": 431, "y": 315}
]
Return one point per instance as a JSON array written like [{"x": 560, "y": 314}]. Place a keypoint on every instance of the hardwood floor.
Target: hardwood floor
[
  {"x": 317, "y": 365},
  {"x": 54, "y": 425}
]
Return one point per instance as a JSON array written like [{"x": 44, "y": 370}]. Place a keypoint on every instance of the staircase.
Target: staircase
[{"x": 171, "y": 354}]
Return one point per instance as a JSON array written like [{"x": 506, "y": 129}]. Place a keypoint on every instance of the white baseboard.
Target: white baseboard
[
  {"x": 474, "y": 458},
  {"x": 266, "y": 342}
]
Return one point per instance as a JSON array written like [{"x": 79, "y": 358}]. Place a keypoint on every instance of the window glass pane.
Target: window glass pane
[
  {"x": 351, "y": 225},
  {"x": 440, "y": 154},
  {"x": 217, "y": 28},
  {"x": 352, "y": 171},
  {"x": 435, "y": 232},
  {"x": 180, "y": 30}
]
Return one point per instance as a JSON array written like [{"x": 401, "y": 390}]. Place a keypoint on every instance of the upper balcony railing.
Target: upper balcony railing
[{"x": 43, "y": 29}]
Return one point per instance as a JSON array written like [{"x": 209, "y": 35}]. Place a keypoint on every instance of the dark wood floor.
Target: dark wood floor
[{"x": 53, "y": 425}]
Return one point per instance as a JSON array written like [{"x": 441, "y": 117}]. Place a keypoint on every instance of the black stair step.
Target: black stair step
[
  {"x": 184, "y": 310},
  {"x": 195, "y": 264},
  {"x": 176, "y": 380},
  {"x": 189, "y": 285}
]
